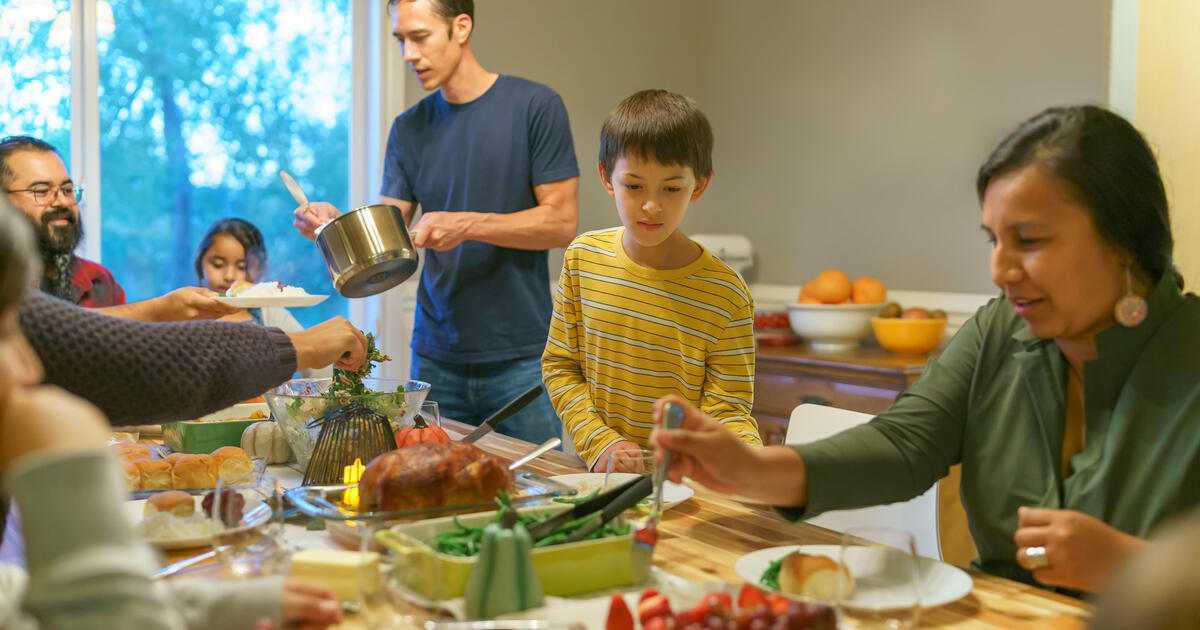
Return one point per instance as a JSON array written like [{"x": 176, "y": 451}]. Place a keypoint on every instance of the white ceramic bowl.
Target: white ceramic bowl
[{"x": 832, "y": 327}]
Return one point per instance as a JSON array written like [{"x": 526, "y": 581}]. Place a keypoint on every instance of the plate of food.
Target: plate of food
[
  {"x": 171, "y": 519},
  {"x": 811, "y": 571},
  {"x": 588, "y": 483},
  {"x": 266, "y": 294}
]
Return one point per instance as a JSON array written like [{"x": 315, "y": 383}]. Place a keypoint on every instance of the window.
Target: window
[
  {"x": 35, "y": 71},
  {"x": 200, "y": 103}
]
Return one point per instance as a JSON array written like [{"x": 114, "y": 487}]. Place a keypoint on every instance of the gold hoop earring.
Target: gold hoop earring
[{"x": 1131, "y": 309}]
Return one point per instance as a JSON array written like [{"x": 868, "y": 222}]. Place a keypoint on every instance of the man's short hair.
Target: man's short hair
[
  {"x": 448, "y": 9},
  {"x": 658, "y": 125},
  {"x": 13, "y": 144}
]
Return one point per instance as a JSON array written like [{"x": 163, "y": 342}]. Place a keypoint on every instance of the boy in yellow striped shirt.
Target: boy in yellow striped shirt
[{"x": 643, "y": 311}]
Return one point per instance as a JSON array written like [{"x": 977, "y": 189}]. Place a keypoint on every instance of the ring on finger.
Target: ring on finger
[{"x": 1035, "y": 557}]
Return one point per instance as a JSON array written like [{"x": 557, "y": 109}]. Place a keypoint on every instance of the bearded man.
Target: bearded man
[{"x": 37, "y": 182}]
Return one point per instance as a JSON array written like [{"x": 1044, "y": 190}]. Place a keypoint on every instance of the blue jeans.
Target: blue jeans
[{"x": 471, "y": 392}]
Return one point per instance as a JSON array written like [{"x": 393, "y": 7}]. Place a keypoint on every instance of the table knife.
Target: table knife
[{"x": 487, "y": 426}]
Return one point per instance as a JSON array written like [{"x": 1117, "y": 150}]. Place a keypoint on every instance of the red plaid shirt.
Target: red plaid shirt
[{"x": 92, "y": 285}]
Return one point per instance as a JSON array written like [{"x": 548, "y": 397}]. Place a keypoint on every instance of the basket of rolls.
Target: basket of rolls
[{"x": 146, "y": 474}]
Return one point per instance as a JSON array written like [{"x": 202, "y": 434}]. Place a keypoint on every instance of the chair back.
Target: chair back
[{"x": 918, "y": 515}]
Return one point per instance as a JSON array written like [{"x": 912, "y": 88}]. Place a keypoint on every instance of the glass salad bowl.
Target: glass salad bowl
[{"x": 296, "y": 404}]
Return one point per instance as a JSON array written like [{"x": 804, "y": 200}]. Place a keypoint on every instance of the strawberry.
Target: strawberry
[
  {"x": 650, "y": 592},
  {"x": 653, "y": 607},
  {"x": 619, "y": 617},
  {"x": 750, "y": 597}
]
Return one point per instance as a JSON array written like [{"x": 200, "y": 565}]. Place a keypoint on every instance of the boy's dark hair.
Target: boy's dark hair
[
  {"x": 20, "y": 264},
  {"x": 1108, "y": 167},
  {"x": 13, "y": 144},
  {"x": 246, "y": 234},
  {"x": 658, "y": 125},
  {"x": 448, "y": 9}
]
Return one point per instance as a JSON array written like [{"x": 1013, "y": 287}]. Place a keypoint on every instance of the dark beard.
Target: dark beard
[
  {"x": 56, "y": 241},
  {"x": 57, "y": 247}
]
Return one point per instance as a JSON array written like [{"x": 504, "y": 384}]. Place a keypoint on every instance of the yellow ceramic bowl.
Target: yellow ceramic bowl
[
  {"x": 908, "y": 336},
  {"x": 564, "y": 569}
]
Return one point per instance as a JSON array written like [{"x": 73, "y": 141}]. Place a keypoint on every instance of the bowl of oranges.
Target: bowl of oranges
[
  {"x": 834, "y": 313},
  {"x": 909, "y": 330}
]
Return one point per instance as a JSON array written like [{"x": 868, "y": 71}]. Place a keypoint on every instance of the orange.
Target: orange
[
  {"x": 830, "y": 286},
  {"x": 810, "y": 300},
  {"x": 806, "y": 294},
  {"x": 868, "y": 290}
]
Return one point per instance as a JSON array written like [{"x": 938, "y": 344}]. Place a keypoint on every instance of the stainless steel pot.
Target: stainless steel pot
[{"x": 368, "y": 250}]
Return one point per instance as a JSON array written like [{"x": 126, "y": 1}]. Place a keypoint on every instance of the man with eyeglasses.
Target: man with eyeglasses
[{"x": 37, "y": 183}]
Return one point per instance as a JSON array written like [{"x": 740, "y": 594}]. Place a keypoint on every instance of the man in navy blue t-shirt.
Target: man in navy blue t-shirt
[{"x": 490, "y": 160}]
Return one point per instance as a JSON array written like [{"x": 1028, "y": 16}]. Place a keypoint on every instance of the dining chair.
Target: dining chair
[{"x": 919, "y": 515}]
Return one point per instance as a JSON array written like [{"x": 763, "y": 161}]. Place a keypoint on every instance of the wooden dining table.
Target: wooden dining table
[{"x": 701, "y": 539}]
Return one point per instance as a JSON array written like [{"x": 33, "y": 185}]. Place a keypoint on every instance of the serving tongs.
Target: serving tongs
[
  {"x": 580, "y": 510},
  {"x": 489, "y": 425}
]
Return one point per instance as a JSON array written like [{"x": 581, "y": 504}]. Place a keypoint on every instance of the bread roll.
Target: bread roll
[
  {"x": 232, "y": 462},
  {"x": 155, "y": 474},
  {"x": 133, "y": 477},
  {"x": 432, "y": 475},
  {"x": 195, "y": 471},
  {"x": 813, "y": 576},
  {"x": 173, "y": 457},
  {"x": 176, "y": 502},
  {"x": 129, "y": 451}
]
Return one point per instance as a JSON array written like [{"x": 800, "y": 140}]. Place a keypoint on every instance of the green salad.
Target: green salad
[{"x": 464, "y": 540}]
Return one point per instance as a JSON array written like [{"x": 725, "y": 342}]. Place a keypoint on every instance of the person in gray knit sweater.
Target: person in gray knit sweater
[{"x": 86, "y": 566}]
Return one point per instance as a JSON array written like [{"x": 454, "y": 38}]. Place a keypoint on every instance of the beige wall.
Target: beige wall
[
  {"x": 1168, "y": 113},
  {"x": 848, "y": 133}
]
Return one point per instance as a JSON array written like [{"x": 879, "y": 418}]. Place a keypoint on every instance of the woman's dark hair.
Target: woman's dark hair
[
  {"x": 246, "y": 234},
  {"x": 1109, "y": 168},
  {"x": 20, "y": 264}
]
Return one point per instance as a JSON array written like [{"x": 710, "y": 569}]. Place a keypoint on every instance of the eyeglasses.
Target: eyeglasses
[{"x": 45, "y": 195}]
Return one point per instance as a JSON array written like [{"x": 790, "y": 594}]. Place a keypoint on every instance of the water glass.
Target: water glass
[
  {"x": 381, "y": 605},
  {"x": 884, "y": 592},
  {"x": 625, "y": 465},
  {"x": 247, "y": 526}
]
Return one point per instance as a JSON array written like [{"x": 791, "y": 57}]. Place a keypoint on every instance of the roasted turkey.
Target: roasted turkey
[{"x": 431, "y": 475}]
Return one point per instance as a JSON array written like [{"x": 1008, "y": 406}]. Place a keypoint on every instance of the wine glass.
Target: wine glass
[
  {"x": 247, "y": 524},
  {"x": 380, "y": 602},
  {"x": 884, "y": 588}
]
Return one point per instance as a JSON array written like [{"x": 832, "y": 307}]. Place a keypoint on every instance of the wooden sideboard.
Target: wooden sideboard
[{"x": 866, "y": 379}]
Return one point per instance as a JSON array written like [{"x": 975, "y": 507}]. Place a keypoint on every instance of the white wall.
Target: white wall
[{"x": 848, "y": 133}]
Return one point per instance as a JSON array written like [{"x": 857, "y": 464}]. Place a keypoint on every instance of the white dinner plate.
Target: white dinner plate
[
  {"x": 285, "y": 301},
  {"x": 134, "y": 514},
  {"x": 941, "y": 583},
  {"x": 586, "y": 483}
]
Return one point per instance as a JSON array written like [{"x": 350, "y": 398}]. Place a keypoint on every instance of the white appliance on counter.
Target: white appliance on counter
[{"x": 734, "y": 250}]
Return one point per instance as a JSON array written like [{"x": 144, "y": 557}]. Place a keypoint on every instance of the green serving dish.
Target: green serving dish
[
  {"x": 566, "y": 569},
  {"x": 212, "y": 431}
]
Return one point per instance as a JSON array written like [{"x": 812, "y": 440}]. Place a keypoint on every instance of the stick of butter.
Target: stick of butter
[{"x": 343, "y": 571}]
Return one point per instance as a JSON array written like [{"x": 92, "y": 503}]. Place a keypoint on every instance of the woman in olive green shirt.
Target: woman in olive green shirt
[{"x": 1078, "y": 428}]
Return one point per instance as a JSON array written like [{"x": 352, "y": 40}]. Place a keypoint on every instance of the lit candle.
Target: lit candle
[{"x": 350, "y": 475}]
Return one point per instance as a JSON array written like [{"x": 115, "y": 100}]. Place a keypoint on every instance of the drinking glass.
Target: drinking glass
[
  {"x": 380, "y": 602},
  {"x": 429, "y": 413},
  {"x": 247, "y": 525},
  {"x": 884, "y": 590},
  {"x": 625, "y": 465}
]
